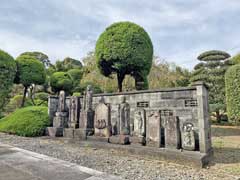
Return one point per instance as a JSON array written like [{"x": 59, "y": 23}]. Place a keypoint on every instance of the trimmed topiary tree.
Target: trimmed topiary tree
[
  {"x": 29, "y": 71},
  {"x": 28, "y": 121},
  {"x": 125, "y": 48},
  {"x": 232, "y": 80},
  {"x": 76, "y": 75},
  {"x": 61, "y": 81},
  {"x": 7, "y": 75},
  {"x": 211, "y": 70}
]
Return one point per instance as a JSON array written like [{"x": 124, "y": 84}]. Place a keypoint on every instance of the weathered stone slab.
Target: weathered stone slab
[
  {"x": 124, "y": 117},
  {"x": 172, "y": 132},
  {"x": 153, "y": 129},
  {"x": 139, "y": 125},
  {"x": 68, "y": 132},
  {"x": 120, "y": 139},
  {"x": 80, "y": 134},
  {"x": 167, "y": 95},
  {"x": 102, "y": 122},
  {"x": 137, "y": 140},
  {"x": 54, "y": 131},
  {"x": 74, "y": 112},
  {"x": 188, "y": 138},
  {"x": 60, "y": 120}
]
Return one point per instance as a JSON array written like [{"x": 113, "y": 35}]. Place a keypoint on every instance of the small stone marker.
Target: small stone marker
[
  {"x": 124, "y": 109},
  {"x": 102, "y": 124},
  {"x": 188, "y": 139},
  {"x": 139, "y": 126},
  {"x": 172, "y": 132},
  {"x": 153, "y": 129}
]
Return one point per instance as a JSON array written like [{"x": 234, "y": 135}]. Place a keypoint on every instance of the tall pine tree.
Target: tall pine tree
[{"x": 211, "y": 70}]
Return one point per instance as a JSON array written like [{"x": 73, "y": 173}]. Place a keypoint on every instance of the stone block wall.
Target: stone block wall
[{"x": 189, "y": 105}]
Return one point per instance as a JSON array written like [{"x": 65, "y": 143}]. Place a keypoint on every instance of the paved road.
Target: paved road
[{"x": 19, "y": 164}]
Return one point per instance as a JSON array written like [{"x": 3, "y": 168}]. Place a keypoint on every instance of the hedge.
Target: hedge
[
  {"x": 29, "y": 121},
  {"x": 232, "y": 85}
]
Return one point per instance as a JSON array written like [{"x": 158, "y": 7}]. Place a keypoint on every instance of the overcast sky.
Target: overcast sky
[{"x": 179, "y": 29}]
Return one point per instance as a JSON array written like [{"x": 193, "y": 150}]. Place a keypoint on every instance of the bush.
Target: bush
[
  {"x": 15, "y": 103},
  {"x": 41, "y": 98},
  {"x": 124, "y": 48},
  {"x": 61, "y": 81},
  {"x": 232, "y": 80},
  {"x": 29, "y": 121},
  {"x": 30, "y": 71},
  {"x": 7, "y": 75}
]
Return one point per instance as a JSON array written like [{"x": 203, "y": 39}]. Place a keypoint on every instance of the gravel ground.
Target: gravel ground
[{"x": 129, "y": 166}]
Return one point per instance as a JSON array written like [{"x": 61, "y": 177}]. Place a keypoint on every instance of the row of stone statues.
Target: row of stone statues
[{"x": 148, "y": 129}]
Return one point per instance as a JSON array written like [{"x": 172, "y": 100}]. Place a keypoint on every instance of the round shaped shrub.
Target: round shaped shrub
[
  {"x": 232, "y": 80},
  {"x": 7, "y": 75},
  {"x": 61, "y": 81},
  {"x": 30, "y": 71},
  {"x": 124, "y": 48},
  {"x": 29, "y": 121}
]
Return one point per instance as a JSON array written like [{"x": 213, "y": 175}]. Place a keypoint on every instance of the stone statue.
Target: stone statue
[
  {"x": 188, "y": 139},
  {"x": 124, "y": 117},
  {"x": 74, "y": 112},
  {"x": 88, "y": 98},
  {"x": 139, "y": 123},
  {"x": 61, "y": 102}
]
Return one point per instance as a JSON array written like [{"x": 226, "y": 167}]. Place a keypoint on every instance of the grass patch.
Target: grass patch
[{"x": 29, "y": 121}]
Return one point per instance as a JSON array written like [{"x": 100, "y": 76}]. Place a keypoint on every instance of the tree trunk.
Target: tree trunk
[
  {"x": 218, "y": 117},
  {"x": 120, "y": 79},
  {"x": 24, "y": 96}
]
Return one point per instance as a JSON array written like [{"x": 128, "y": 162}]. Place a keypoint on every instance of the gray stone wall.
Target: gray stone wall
[{"x": 188, "y": 104}]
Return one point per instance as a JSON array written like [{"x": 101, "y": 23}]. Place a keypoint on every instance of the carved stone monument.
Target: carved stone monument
[
  {"x": 74, "y": 112},
  {"x": 102, "y": 121},
  {"x": 188, "y": 139},
  {"x": 172, "y": 132},
  {"x": 124, "y": 117},
  {"x": 153, "y": 129},
  {"x": 86, "y": 123},
  {"x": 60, "y": 120}
]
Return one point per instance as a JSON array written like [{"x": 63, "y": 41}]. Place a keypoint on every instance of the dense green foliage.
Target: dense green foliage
[
  {"x": 7, "y": 75},
  {"x": 39, "y": 56},
  {"x": 235, "y": 59},
  {"x": 29, "y": 71},
  {"x": 15, "y": 103},
  {"x": 211, "y": 70},
  {"x": 29, "y": 121},
  {"x": 232, "y": 80},
  {"x": 61, "y": 81},
  {"x": 76, "y": 75},
  {"x": 125, "y": 48},
  {"x": 67, "y": 64}
]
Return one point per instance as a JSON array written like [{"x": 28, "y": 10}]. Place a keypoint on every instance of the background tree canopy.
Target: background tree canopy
[
  {"x": 212, "y": 70},
  {"x": 125, "y": 48},
  {"x": 7, "y": 75},
  {"x": 29, "y": 71}
]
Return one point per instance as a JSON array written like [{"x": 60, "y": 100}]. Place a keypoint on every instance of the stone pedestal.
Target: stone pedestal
[
  {"x": 120, "y": 139},
  {"x": 54, "y": 131},
  {"x": 60, "y": 121},
  {"x": 137, "y": 140},
  {"x": 86, "y": 122}
]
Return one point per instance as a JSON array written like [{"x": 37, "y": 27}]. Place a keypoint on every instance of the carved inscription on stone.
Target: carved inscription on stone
[
  {"x": 139, "y": 126},
  {"x": 102, "y": 126},
  {"x": 153, "y": 129},
  {"x": 124, "y": 117},
  {"x": 188, "y": 139},
  {"x": 172, "y": 132}
]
